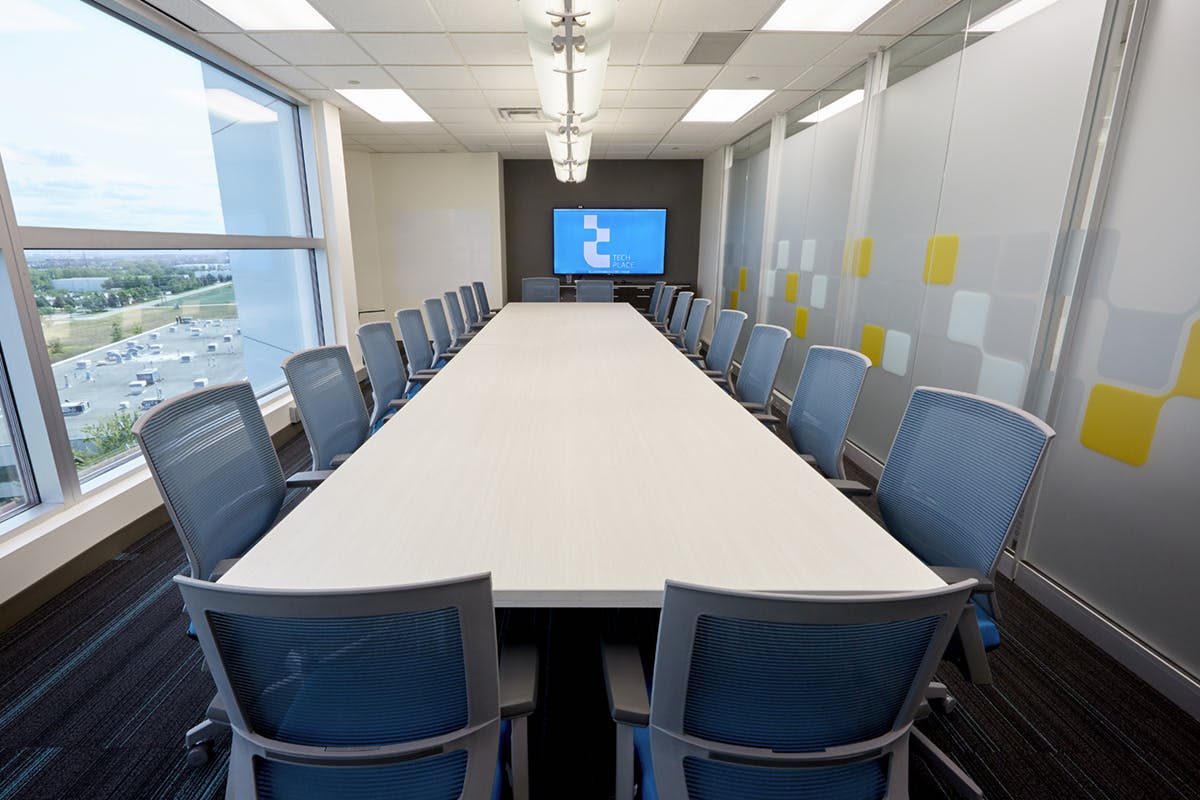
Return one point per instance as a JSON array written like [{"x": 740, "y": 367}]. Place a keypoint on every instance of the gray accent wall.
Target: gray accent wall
[{"x": 531, "y": 193}]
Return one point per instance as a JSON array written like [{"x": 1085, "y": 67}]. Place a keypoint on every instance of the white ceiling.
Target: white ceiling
[{"x": 462, "y": 59}]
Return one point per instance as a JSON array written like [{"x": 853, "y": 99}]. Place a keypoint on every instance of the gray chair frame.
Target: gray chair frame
[
  {"x": 331, "y": 441},
  {"x": 468, "y": 300},
  {"x": 439, "y": 329},
  {"x": 663, "y": 711},
  {"x": 683, "y": 304},
  {"x": 664, "y": 307},
  {"x": 594, "y": 291},
  {"x": 485, "y": 310},
  {"x": 540, "y": 290},
  {"x": 690, "y": 344},
  {"x": 718, "y": 359},
  {"x": 760, "y": 366},
  {"x": 417, "y": 348},
  {"x": 655, "y": 294},
  {"x": 461, "y": 335},
  {"x": 480, "y": 736},
  {"x": 385, "y": 368}
]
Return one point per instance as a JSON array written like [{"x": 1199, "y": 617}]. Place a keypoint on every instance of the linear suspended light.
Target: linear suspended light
[{"x": 569, "y": 42}]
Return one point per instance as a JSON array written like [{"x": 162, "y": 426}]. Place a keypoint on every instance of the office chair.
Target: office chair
[
  {"x": 695, "y": 323},
  {"x": 776, "y": 695},
  {"x": 417, "y": 350},
  {"x": 385, "y": 370},
  {"x": 468, "y": 299},
  {"x": 958, "y": 471},
  {"x": 655, "y": 294},
  {"x": 330, "y": 403},
  {"x": 822, "y": 405},
  {"x": 443, "y": 347},
  {"x": 485, "y": 310},
  {"x": 594, "y": 291},
  {"x": 717, "y": 360},
  {"x": 457, "y": 323},
  {"x": 211, "y": 457},
  {"x": 383, "y": 692},
  {"x": 539, "y": 290},
  {"x": 674, "y": 328},
  {"x": 760, "y": 364},
  {"x": 664, "y": 306}
]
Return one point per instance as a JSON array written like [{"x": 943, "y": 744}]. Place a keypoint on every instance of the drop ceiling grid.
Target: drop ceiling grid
[{"x": 462, "y": 59}]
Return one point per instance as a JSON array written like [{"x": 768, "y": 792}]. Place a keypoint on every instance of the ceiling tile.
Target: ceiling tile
[
  {"x": 666, "y": 98},
  {"x": 368, "y": 77},
  {"x": 618, "y": 78},
  {"x": 478, "y": 114},
  {"x": 398, "y": 148},
  {"x": 786, "y": 49},
  {"x": 906, "y": 16},
  {"x": 423, "y": 77},
  {"x": 627, "y": 48},
  {"x": 333, "y": 98},
  {"x": 737, "y": 77},
  {"x": 695, "y": 133},
  {"x": 855, "y": 50},
  {"x": 409, "y": 48},
  {"x": 354, "y": 147},
  {"x": 242, "y": 46},
  {"x": 613, "y": 99},
  {"x": 479, "y": 15},
  {"x": 292, "y": 77},
  {"x": 506, "y": 78},
  {"x": 379, "y": 15},
  {"x": 480, "y": 129},
  {"x": 681, "y": 77},
  {"x": 493, "y": 48},
  {"x": 712, "y": 15},
  {"x": 443, "y": 148},
  {"x": 500, "y": 98},
  {"x": 668, "y": 48},
  {"x": 374, "y": 139},
  {"x": 310, "y": 47},
  {"x": 439, "y": 98},
  {"x": 355, "y": 129},
  {"x": 816, "y": 78},
  {"x": 635, "y": 15},
  {"x": 196, "y": 15},
  {"x": 648, "y": 117}
]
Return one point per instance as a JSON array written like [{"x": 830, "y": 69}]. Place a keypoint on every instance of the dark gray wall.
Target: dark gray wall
[{"x": 531, "y": 193}]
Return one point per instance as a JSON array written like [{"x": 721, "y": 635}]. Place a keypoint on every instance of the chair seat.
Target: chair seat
[{"x": 987, "y": 628}]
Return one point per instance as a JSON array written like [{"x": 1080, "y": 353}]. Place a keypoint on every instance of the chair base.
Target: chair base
[{"x": 940, "y": 763}]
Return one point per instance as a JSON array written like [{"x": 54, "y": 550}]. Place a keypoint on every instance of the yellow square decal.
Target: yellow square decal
[
  {"x": 789, "y": 288},
  {"x": 872, "y": 344},
  {"x": 1188, "y": 382},
  {"x": 733, "y": 298},
  {"x": 941, "y": 257},
  {"x": 800, "y": 326},
  {"x": 862, "y": 256},
  {"x": 742, "y": 279},
  {"x": 1120, "y": 423}
]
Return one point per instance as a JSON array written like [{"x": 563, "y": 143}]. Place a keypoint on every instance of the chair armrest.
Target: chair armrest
[
  {"x": 956, "y": 574},
  {"x": 398, "y": 403},
  {"x": 429, "y": 373},
  {"x": 477, "y": 326},
  {"x": 767, "y": 419},
  {"x": 808, "y": 459},
  {"x": 338, "y": 460},
  {"x": 851, "y": 488},
  {"x": 755, "y": 408},
  {"x": 424, "y": 376},
  {"x": 446, "y": 356},
  {"x": 518, "y": 680},
  {"x": 628, "y": 702},
  {"x": 307, "y": 480},
  {"x": 694, "y": 356}
]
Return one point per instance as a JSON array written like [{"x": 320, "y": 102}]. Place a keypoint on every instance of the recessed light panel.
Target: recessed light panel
[
  {"x": 386, "y": 105},
  {"x": 270, "y": 15},
  {"x": 725, "y": 105},
  {"x": 836, "y": 107},
  {"x": 823, "y": 15}
]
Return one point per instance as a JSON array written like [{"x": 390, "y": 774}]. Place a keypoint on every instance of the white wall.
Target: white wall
[
  {"x": 712, "y": 216},
  {"x": 423, "y": 224}
]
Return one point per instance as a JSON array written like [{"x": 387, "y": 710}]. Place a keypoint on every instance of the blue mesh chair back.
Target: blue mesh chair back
[
  {"x": 325, "y": 389},
  {"x": 760, "y": 364},
  {"x": 216, "y": 469},
  {"x": 458, "y": 325},
  {"x": 695, "y": 324},
  {"x": 679, "y": 316},
  {"x": 791, "y": 688},
  {"x": 435, "y": 312},
  {"x": 655, "y": 293},
  {"x": 539, "y": 290},
  {"x": 957, "y": 473},
  {"x": 381, "y": 692},
  {"x": 725, "y": 336},
  {"x": 664, "y": 304},
  {"x": 481, "y": 298},
  {"x": 417, "y": 350},
  {"x": 385, "y": 369},
  {"x": 823, "y": 403},
  {"x": 594, "y": 291},
  {"x": 468, "y": 299}
]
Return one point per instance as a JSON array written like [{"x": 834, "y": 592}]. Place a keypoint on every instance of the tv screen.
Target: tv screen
[{"x": 609, "y": 241}]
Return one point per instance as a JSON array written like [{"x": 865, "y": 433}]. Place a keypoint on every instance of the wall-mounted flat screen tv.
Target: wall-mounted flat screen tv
[{"x": 609, "y": 241}]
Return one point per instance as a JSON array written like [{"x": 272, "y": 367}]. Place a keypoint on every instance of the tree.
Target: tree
[
  {"x": 56, "y": 347},
  {"x": 138, "y": 330},
  {"x": 109, "y": 436},
  {"x": 118, "y": 333}
]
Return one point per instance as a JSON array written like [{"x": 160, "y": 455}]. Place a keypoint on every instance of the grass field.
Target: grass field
[
  {"x": 217, "y": 295},
  {"x": 67, "y": 338}
]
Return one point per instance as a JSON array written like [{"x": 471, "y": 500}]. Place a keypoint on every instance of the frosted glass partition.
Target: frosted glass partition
[
  {"x": 743, "y": 236},
  {"x": 1116, "y": 519},
  {"x": 816, "y": 177}
]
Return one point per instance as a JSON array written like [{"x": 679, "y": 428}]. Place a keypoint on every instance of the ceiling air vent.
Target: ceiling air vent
[
  {"x": 521, "y": 114},
  {"x": 715, "y": 48}
]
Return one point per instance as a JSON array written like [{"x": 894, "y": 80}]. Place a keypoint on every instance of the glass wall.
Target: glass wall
[
  {"x": 745, "y": 214},
  {"x": 1115, "y": 522},
  {"x": 162, "y": 238},
  {"x": 16, "y": 489}
]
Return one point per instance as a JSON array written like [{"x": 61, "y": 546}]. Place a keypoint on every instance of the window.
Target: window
[{"x": 163, "y": 238}]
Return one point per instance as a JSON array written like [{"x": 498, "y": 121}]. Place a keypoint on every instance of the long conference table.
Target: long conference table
[{"x": 571, "y": 451}]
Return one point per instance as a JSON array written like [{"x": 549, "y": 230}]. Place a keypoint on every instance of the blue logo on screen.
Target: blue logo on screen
[{"x": 613, "y": 241}]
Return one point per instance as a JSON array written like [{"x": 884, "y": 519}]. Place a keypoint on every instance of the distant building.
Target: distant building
[{"x": 79, "y": 284}]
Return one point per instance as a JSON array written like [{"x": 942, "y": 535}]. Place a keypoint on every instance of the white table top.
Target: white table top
[{"x": 572, "y": 452}]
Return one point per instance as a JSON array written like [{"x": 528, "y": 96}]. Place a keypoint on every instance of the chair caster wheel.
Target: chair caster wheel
[
  {"x": 945, "y": 705},
  {"x": 199, "y": 754}
]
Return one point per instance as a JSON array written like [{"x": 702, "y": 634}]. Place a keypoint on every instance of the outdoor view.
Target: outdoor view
[{"x": 12, "y": 491}]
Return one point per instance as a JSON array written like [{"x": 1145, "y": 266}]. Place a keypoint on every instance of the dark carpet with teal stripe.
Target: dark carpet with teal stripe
[{"x": 98, "y": 686}]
